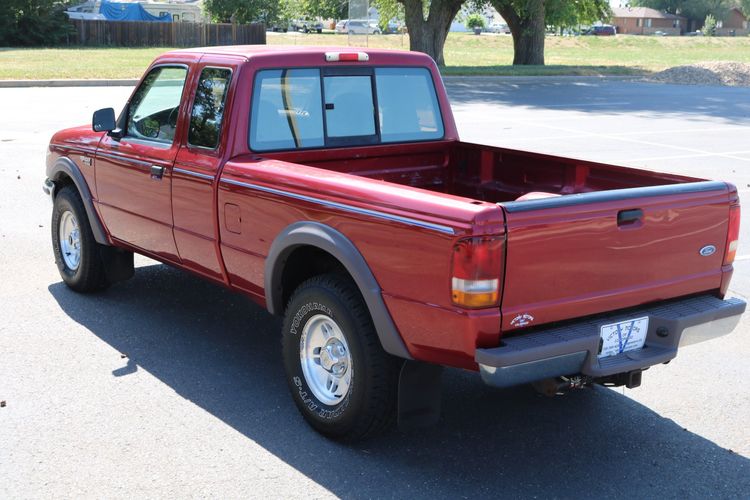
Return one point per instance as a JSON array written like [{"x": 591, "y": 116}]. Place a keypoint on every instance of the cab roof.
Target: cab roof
[{"x": 295, "y": 52}]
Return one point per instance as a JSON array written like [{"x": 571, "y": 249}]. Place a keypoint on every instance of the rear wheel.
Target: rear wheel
[
  {"x": 77, "y": 253},
  {"x": 340, "y": 378}
]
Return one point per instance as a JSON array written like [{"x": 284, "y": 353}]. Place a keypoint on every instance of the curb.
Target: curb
[
  {"x": 525, "y": 78},
  {"x": 67, "y": 83}
]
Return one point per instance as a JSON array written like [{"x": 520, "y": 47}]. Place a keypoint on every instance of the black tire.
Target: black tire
[
  {"x": 369, "y": 405},
  {"x": 89, "y": 275}
]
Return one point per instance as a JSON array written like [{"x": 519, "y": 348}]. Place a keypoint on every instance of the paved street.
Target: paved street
[{"x": 167, "y": 386}]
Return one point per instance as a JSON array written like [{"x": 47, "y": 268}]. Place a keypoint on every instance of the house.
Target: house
[
  {"x": 145, "y": 10},
  {"x": 735, "y": 24},
  {"x": 646, "y": 21}
]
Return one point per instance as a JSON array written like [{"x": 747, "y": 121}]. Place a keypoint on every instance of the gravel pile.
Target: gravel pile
[{"x": 711, "y": 73}]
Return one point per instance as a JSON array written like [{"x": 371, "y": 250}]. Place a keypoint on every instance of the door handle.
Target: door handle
[
  {"x": 157, "y": 172},
  {"x": 630, "y": 218}
]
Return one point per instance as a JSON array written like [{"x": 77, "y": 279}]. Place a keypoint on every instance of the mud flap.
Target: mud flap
[
  {"x": 419, "y": 395},
  {"x": 118, "y": 264}
]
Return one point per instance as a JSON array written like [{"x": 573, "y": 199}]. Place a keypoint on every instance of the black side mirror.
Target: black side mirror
[{"x": 104, "y": 120}]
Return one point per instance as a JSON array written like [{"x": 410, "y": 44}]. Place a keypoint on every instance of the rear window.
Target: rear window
[{"x": 304, "y": 108}]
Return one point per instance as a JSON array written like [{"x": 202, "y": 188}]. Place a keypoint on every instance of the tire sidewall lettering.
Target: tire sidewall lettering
[{"x": 307, "y": 399}]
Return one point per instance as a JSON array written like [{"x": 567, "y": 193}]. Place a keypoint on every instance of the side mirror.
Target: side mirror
[{"x": 104, "y": 120}]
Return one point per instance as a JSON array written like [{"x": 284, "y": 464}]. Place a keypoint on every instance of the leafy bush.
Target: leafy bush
[
  {"x": 709, "y": 26},
  {"x": 474, "y": 21}
]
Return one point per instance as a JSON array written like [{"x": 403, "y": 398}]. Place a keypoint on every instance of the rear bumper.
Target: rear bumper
[{"x": 573, "y": 348}]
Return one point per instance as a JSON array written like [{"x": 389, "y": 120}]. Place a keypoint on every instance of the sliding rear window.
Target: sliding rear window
[{"x": 307, "y": 108}]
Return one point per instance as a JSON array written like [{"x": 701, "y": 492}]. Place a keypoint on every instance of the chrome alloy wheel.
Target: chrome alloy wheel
[
  {"x": 326, "y": 360},
  {"x": 70, "y": 240}
]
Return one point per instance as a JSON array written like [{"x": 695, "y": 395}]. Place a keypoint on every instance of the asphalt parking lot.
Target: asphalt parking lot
[{"x": 165, "y": 386}]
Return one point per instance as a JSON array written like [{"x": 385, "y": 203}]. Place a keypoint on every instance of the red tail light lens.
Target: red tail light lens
[
  {"x": 733, "y": 234},
  {"x": 477, "y": 271}
]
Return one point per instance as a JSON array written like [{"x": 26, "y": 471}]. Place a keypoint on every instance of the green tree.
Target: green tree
[
  {"x": 388, "y": 10},
  {"x": 474, "y": 20},
  {"x": 709, "y": 25},
  {"x": 528, "y": 20},
  {"x": 33, "y": 22},
  {"x": 428, "y": 23},
  {"x": 326, "y": 9},
  {"x": 561, "y": 14},
  {"x": 245, "y": 11}
]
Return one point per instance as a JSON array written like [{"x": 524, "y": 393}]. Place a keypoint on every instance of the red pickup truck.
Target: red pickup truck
[{"x": 329, "y": 185}]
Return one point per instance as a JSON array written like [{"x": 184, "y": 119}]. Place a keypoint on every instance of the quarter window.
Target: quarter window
[
  {"x": 208, "y": 107},
  {"x": 155, "y": 106}
]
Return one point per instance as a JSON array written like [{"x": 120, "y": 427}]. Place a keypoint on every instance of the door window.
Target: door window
[
  {"x": 208, "y": 107},
  {"x": 154, "y": 109}
]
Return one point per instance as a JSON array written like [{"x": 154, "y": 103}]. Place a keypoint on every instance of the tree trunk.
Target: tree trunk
[
  {"x": 527, "y": 27},
  {"x": 428, "y": 35}
]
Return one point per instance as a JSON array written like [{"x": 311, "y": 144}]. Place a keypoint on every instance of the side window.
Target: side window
[
  {"x": 349, "y": 106},
  {"x": 208, "y": 107},
  {"x": 154, "y": 109},
  {"x": 286, "y": 110}
]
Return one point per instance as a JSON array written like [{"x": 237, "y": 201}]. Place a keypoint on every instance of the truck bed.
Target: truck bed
[
  {"x": 581, "y": 237},
  {"x": 479, "y": 172}
]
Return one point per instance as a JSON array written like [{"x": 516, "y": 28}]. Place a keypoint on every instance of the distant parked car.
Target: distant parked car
[
  {"x": 279, "y": 27},
  {"x": 358, "y": 27},
  {"x": 605, "y": 30},
  {"x": 498, "y": 28},
  {"x": 392, "y": 28},
  {"x": 307, "y": 26}
]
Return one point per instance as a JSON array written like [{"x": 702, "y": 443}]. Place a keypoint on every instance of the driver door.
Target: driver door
[{"x": 134, "y": 172}]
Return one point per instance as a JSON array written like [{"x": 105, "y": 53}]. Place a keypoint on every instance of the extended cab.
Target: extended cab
[{"x": 330, "y": 186}]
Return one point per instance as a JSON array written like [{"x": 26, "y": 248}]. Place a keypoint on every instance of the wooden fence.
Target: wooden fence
[{"x": 158, "y": 34}]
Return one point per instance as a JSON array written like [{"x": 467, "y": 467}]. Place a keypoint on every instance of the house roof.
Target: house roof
[{"x": 642, "y": 12}]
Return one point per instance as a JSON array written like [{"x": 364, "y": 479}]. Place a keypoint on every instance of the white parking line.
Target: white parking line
[
  {"x": 635, "y": 141},
  {"x": 586, "y": 104},
  {"x": 696, "y": 155}
]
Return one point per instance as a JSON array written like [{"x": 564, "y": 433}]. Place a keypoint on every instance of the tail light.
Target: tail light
[
  {"x": 733, "y": 234},
  {"x": 477, "y": 271}
]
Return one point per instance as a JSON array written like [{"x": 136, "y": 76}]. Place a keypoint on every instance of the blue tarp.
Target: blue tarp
[{"x": 115, "y": 11}]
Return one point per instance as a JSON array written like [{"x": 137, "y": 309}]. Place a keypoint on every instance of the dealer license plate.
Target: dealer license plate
[{"x": 623, "y": 336}]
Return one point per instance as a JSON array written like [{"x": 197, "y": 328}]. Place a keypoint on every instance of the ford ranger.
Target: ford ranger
[{"x": 329, "y": 185}]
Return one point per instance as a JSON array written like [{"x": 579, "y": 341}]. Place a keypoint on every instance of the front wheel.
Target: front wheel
[
  {"x": 340, "y": 378},
  {"x": 77, "y": 253}
]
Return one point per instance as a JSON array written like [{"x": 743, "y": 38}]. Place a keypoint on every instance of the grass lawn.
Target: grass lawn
[{"x": 465, "y": 54}]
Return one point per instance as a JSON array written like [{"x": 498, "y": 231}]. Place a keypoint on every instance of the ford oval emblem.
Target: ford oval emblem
[{"x": 707, "y": 250}]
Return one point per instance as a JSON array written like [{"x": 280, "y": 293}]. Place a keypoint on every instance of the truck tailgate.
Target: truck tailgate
[{"x": 581, "y": 254}]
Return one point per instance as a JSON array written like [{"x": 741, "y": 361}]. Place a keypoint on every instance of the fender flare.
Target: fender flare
[
  {"x": 66, "y": 166},
  {"x": 315, "y": 234}
]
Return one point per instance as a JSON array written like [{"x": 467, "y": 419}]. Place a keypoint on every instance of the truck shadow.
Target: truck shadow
[
  {"x": 613, "y": 97},
  {"x": 222, "y": 353}
]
